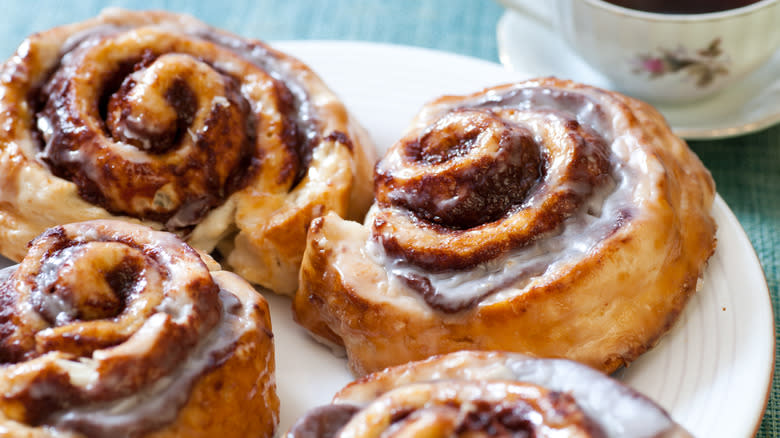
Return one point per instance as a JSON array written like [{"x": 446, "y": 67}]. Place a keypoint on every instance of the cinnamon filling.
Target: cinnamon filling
[
  {"x": 465, "y": 185},
  {"x": 323, "y": 422},
  {"x": 299, "y": 118},
  {"x": 455, "y": 408},
  {"x": 495, "y": 185},
  {"x": 166, "y": 132},
  {"x": 105, "y": 332}
]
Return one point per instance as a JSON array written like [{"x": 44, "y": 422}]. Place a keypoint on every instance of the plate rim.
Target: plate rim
[{"x": 756, "y": 263}]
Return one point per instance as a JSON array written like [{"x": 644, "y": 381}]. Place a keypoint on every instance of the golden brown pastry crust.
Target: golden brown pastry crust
[
  {"x": 113, "y": 329},
  {"x": 497, "y": 393},
  {"x": 158, "y": 118},
  {"x": 581, "y": 264}
]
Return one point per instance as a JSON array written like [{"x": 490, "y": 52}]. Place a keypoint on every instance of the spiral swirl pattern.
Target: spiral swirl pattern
[
  {"x": 107, "y": 327},
  {"x": 519, "y": 218},
  {"x": 158, "y": 117},
  {"x": 509, "y": 179},
  {"x": 180, "y": 136},
  {"x": 488, "y": 394},
  {"x": 478, "y": 195}
]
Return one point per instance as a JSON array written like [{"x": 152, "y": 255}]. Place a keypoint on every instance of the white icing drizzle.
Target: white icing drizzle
[
  {"x": 90, "y": 403},
  {"x": 6, "y": 273},
  {"x": 619, "y": 411},
  {"x": 159, "y": 403},
  {"x": 49, "y": 304},
  {"x": 576, "y": 237},
  {"x": 280, "y": 69}
]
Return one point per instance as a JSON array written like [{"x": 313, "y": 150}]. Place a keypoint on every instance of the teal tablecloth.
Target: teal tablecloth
[{"x": 746, "y": 169}]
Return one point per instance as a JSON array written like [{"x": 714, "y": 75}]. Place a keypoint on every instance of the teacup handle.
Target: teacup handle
[{"x": 540, "y": 11}]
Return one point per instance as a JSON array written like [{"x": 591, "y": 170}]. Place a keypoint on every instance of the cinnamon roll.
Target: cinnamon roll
[
  {"x": 158, "y": 118},
  {"x": 488, "y": 394},
  {"x": 111, "y": 329},
  {"x": 543, "y": 217}
]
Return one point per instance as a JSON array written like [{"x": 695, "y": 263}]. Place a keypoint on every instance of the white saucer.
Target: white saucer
[{"x": 748, "y": 106}]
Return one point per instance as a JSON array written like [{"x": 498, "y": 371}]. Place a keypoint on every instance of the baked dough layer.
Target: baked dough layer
[
  {"x": 157, "y": 118},
  {"x": 494, "y": 393},
  {"x": 593, "y": 260},
  {"x": 113, "y": 329}
]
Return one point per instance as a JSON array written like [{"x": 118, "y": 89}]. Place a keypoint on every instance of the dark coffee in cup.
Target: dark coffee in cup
[{"x": 682, "y": 6}]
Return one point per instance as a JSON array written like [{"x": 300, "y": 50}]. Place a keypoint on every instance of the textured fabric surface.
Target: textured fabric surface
[{"x": 746, "y": 169}]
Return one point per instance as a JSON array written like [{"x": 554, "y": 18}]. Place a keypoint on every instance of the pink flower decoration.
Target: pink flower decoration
[
  {"x": 703, "y": 65},
  {"x": 653, "y": 65}
]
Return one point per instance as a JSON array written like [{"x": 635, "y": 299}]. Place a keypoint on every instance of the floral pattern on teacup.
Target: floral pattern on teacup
[{"x": 702, "y": 65}]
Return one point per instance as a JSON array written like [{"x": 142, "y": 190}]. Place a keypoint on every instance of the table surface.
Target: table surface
[{"x": 746, "y": 169}]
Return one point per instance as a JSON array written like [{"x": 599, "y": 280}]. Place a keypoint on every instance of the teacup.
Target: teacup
[{"x": 663, "y": 57}]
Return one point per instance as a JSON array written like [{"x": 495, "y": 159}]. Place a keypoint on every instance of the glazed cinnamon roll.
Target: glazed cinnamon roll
[
  {"x": 159, "y": 118},
  {"x": 543, "y": 217},
  {"x": 111, "y": 329},
  {"x": 488, "y": 394}
]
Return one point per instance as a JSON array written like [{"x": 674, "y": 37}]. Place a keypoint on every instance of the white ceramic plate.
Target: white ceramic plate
[
  {"x": 712, "y": 372},
  {"x": 749, "y": 105}
]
